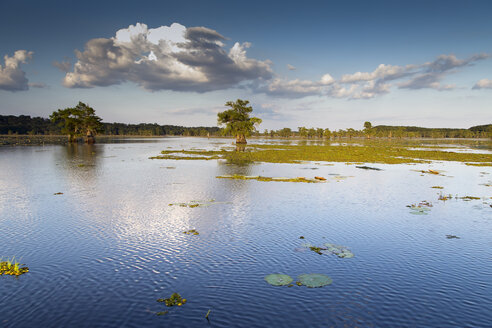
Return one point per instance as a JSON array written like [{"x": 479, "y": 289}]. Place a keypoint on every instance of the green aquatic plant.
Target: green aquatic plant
[
  {"x": 437, "y": 187},
  {"x": 468, "y": 198},
  {"x": 479, "y": 164},
  {"x": 191, "y": 232},
  {"x": 10, "y": 267},
  {"x": 452, "y": 237},
  {"x": 268, "y": 179},
  {"x": 317, "y": 249},
  {"x": 369, "y": 152},
  {"x": 162, "y": 312},
  {"x": 421, "y": 208},
  {"x": 206, "y": 315},
  {"x": 445, "y": 197},
  {"x": 368, "y": 168},
  {"x": 278, "y": 279},
  {"x": 195, "y": 203},
  {"x": 339, "y": 250},
  {"x": 314, "y": 280},
  {"x": 175, "y": 299}
]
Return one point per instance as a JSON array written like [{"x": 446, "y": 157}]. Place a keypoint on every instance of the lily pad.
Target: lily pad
[
  {"x": 278, "y": 279},
  {"x": 314, "y": 280}
]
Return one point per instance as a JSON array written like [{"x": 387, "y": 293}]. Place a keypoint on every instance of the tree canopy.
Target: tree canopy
[
  {"x": 237, "y": 120},
  {"x": 78, "y": 121}
]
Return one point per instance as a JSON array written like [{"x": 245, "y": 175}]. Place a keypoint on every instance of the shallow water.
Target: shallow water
[{"x": 101, "y": 253}]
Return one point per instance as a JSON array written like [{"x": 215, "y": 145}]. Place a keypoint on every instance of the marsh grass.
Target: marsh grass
[
  {"x": 268, "y": 179},
  {"x": 386, "y": 153},
  {"x": 12, "y": 268}
]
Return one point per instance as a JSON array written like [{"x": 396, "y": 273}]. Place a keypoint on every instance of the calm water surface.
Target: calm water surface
[{"x": 101, "y": 253}]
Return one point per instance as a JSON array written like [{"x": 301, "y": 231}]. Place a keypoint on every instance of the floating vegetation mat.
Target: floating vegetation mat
[
  {"x": 437, "y": 187},
  {"x": 191, "y": 232},
  {"x": 267, "y": 179},
  {"x": 452, "y": 237},
  {"x": 12, "y": 268},
  {"x": 197, "y": 203},
  {"x": 444, "y": 197},
  {"x": 341, "y": 251},
  {"x": 278, "y": 279},
  {"x": 174, "y": 300},
  {"x": 338, "y": 250},
  {"x": 478, "y": 164},
  {"x": 368, "y": 168},
  {"x": 314, "y": 280},
  {"x": 370, "y": 152},
  {"x": 421, "y": 208}
]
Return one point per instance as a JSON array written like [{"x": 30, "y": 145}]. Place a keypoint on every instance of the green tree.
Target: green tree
[
  {"x": 78, "y": 121},
  {"x": 303, "y": 132},
  {"x": 237, "y": 121},
  {"x": 368, "y": 131},
  {"x": 285, "y": 132},
  {"x": 327, "y": 133}
]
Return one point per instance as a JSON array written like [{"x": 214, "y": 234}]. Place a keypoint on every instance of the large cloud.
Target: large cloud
[
  {"x": 166, "y": 58},
  {"x": 430, "y": 74},
  {"x": 12, "y": 77},
  {"x": 367, "y": 85}
]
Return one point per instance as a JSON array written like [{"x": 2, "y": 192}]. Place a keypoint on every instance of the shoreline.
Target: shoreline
[{"x": 39, "y": 140}]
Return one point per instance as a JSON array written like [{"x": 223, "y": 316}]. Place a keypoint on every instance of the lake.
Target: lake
[{"x": 101, "y": 253}]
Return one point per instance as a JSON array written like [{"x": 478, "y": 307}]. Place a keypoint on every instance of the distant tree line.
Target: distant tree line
[
  {"x": 382, "y": 131},
  {"x": 23, "y": 124}
]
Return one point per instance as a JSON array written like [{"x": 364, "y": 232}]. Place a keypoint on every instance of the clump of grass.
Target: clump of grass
[
  {"x": 12, "y": 268},
  {"x": 478, "y": 164},
  {"x": 268, "y": 179},
  {"x": 468, "y": 198},
  {"x": 175, "y": 299}
]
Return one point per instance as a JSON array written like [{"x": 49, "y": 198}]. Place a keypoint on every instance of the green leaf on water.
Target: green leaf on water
[{"x": 277, "y": 279}]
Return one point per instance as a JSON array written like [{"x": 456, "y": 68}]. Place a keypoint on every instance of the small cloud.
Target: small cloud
[
  {"x": 12, "y": 77},
  {"x": 483, "y": 84},
  {"x": 39, "y": 85},
  {"x": 291, "y": 67}
]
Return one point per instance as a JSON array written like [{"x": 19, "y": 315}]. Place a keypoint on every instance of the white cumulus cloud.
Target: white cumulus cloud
[
  {"x": 12, "y": 77},
  {"x": 166, "y": 58}
]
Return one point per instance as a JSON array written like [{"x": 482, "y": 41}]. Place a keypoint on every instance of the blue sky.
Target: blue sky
[{"x": 330, "y": 64}]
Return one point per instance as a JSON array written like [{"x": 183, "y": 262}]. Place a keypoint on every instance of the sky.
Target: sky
[{"x": 328, "y": 64}]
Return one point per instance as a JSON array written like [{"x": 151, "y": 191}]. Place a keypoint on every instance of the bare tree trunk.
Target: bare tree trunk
[
  {"x": 240, "y": 139},
  {"x": 89, "y": 138}
]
